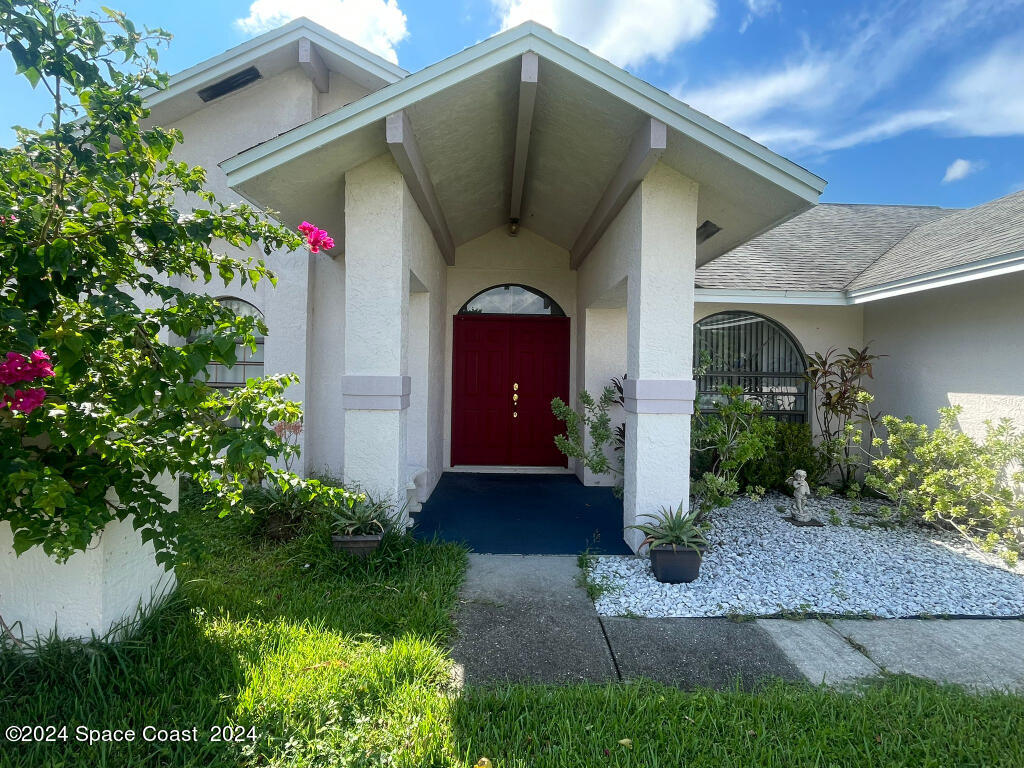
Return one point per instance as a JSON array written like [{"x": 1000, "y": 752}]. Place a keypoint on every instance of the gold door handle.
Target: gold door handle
[
  {"x": 515, "y": 386},
  {"x": 515, "y": 398},
  {"x": 515, "y": 415}
]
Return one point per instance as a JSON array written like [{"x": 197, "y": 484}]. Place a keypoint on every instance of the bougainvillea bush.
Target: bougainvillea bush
[{"x": 102, "y": 384}]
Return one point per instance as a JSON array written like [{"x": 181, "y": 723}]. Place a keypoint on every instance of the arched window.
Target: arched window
[
  {"x": 750, "y": 351},
  {"x": 249, "y": 364},
  {"x": 511, "y": 299}
]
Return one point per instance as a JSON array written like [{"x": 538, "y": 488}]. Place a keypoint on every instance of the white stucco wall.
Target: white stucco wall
[
  {"x": 959, "y": 345},
  {"x": 101, "y": 588},
  {"x": 426, "y": 358},
  {"x": 496, "y": 258}
]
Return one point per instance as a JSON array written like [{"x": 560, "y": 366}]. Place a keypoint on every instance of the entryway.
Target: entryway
[
  {"x": 523, "y": 514},
  {"x": 510, "y": 358}
]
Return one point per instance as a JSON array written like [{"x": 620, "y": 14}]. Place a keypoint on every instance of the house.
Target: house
[{"x": 523, "y": 220}]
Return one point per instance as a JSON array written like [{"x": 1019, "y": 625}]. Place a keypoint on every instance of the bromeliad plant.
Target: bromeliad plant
[
  {"x": 99, "y": 226},
  {"x": 677, "y": 528}
]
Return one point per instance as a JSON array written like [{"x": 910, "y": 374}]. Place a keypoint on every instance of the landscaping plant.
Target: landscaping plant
[
  {"x": 595, "y": 423},
  {"x": 678, "y": 528},
  {"x": 99, "y": 225},
  {"x": 790, "y": 446},
  {"x": 947, "y": 478},
  {"x": 842, "y": 406},
  {"x": 724, "y": 441}
]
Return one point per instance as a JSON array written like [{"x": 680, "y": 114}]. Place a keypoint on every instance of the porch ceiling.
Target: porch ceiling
[{"x": 463, "y": 118}]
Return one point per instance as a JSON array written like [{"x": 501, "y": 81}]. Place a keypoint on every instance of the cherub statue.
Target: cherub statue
[{"x": 801, "y": 490}]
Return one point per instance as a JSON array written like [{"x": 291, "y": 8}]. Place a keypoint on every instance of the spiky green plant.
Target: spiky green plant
[{"x": 676, "y": 528}]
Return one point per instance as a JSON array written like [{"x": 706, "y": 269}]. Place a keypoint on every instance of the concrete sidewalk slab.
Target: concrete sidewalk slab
[
  {"x": 524, "y": 618},
  {"x": 820, "y": 653},
  {"x": 981, "y": 654},
  {"x": 695, "y": 653}
]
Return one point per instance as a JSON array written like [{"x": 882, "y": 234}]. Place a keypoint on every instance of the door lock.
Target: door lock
[
  {"x": 515, "y": 386},
  {"x": 515, "y": 398},
  {"x": 515, "y": 415}
]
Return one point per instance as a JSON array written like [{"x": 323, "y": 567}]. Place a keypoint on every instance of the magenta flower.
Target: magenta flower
[
  {"x": 16, "y": 367},
  {"x": 25, "y": 400},
  {"x": 317, "y": 239}
]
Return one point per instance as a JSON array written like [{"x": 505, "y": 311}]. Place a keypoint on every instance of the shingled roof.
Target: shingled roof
[
  {"x": 822, "y": 249},
  {"x": 975, "y": 234},
  {"x": 835, "y": 247}
]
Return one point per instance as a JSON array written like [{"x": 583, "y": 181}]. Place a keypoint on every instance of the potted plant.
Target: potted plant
[
  {"x": 358, "y": 526},
  {"x": 677, "y": 544}
]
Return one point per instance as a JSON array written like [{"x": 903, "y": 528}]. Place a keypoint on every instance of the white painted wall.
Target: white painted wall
[
  {"x": 650, "y": 247},
  {"x": 426, "y": 363},
  {"x": 493, "y": 259},
  {"x": 959, "y": 345},
  {"x": 95, "y": 590}
]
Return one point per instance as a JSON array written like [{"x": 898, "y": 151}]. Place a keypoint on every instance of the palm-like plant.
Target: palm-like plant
[{"x": 676, "y": 528}]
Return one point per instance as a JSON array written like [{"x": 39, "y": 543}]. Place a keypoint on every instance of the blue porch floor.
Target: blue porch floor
[{"x": 523, "y": 514}]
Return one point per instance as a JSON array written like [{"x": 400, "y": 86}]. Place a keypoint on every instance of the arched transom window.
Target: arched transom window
[
  {"x": 753, "y": 352},
  {"x": 249, "y": 363},
  {"x": 511, "y": 299}
]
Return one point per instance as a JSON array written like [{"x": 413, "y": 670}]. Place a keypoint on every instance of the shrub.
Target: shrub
[
  {"x": 790, "y": 447},
  {"x": 842, "y": 406},
  {"x": 103, "y": 237},
  {"x": 596, "y": 421},
  {"x": 731, "y": 436},
  {"x": 947, "y": 478}
]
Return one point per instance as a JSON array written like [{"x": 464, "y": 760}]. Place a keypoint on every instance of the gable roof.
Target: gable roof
[
  {"x": 823, "y": 249},
  {"x": 272, "y": 52},
  {"x": 463, "y": 112}
]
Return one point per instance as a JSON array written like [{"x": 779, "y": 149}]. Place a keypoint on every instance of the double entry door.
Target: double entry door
[{"x": 507, "y": 369}]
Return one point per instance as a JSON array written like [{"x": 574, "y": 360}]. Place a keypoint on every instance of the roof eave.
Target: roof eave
[
  {"x": 230, "y": 61},
  {"x": 496, "y": 50}
]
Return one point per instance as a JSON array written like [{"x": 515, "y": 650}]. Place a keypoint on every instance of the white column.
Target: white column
[
  {"x": 288, "y": 318},
  {"x": 376, "y": 385},
  {"x": 659, "y": 389}
]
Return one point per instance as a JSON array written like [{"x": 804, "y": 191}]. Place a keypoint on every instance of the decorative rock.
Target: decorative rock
[{"x": 758, "y": 564}]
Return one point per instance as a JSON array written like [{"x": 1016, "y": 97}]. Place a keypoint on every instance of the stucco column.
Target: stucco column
[
  {"x": 376, "y": 385},
  {"x": 289, "y": 320},
  {"x": 659, "y": 390}
]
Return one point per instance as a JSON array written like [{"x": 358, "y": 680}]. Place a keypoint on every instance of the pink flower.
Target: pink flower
[
  {"x": 17, "y": 367},
  {"x": 25, "y": 400},
  {"x": 316, "y": 238}
]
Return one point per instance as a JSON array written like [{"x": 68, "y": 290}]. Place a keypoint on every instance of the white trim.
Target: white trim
[
  {"x": 497, "y": 50},
  {"x": 230, "y": 61},
  {"x": 756, "y": 296},
  {"x": 976, "y": 270}
]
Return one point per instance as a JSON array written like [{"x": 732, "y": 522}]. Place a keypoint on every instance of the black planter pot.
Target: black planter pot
[
  {"x": 360, "y": 546},
  {"x": 675, "y": 566}
]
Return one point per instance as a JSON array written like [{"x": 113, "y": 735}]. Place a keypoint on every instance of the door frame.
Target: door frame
[{"x": 450, "y": 466}]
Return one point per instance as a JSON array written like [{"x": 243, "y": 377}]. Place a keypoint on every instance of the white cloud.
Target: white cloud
[
  {"x": 757, "y": 9},
  {"x": 626, "y": 32},
  {"x": 377, "y": 25},
  {"x": 961, "y": 169},
  {"x": 855, "y": 91}
]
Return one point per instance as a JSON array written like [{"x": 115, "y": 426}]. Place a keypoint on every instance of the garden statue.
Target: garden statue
[{"x": 801, "y": 490}]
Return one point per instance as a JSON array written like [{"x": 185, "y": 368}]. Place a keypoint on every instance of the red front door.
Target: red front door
[{"x": 507, "y": 369}]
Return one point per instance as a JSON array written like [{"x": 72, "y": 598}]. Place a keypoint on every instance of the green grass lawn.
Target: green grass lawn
[{"x": 332, "y": 662}]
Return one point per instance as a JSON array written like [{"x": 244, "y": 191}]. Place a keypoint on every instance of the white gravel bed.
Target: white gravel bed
[{"x": 759, "y": 564}]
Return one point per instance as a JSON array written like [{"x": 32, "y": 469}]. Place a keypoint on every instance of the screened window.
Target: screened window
[
  {"x": 750, "y": 351},
  {"x": 511, "y": 299},
  {"x": 249, "y": 363}
]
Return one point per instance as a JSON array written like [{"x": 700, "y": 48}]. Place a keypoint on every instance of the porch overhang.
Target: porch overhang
[{"x": 526, "y": 122}]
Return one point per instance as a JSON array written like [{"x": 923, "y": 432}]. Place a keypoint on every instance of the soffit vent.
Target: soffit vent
[
  {"x": 230, "y": 84},
  {"x": 706, "y": 231}
]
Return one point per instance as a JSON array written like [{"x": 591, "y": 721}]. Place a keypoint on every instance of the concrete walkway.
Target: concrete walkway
[{"x": 525, "y": 619}]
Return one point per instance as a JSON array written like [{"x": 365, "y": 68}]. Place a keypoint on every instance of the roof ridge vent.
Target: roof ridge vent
[{"x": 229, "y": 84}]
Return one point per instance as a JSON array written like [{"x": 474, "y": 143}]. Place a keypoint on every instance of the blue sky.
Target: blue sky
[{"x": 911, "y": 102}]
